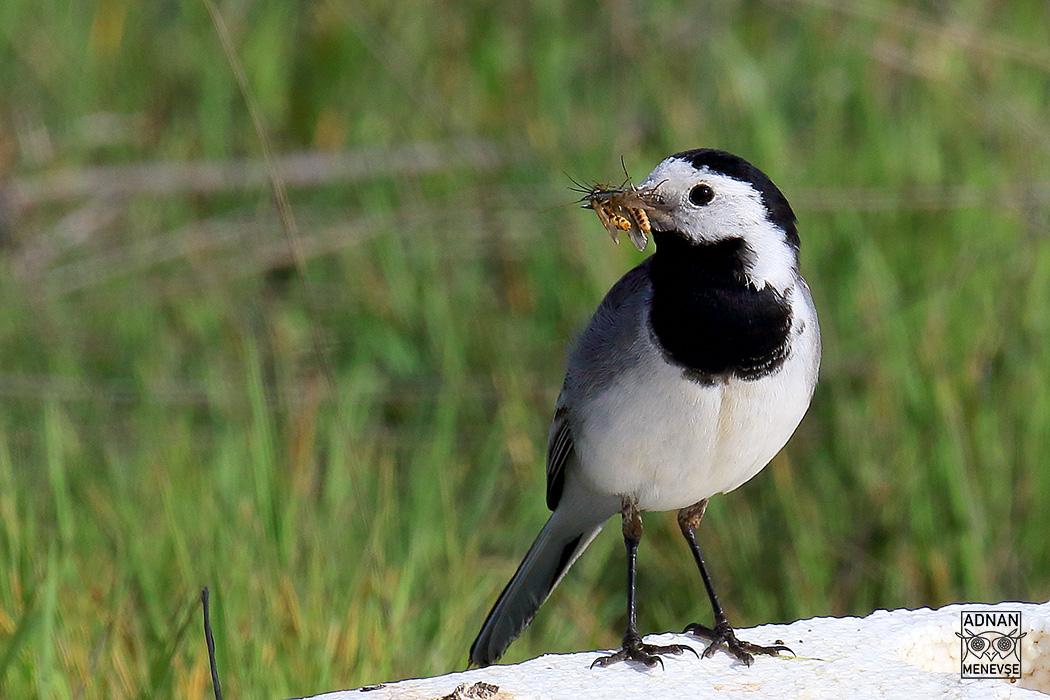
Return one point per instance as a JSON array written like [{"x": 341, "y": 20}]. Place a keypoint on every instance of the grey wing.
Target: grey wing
[
  {"x": 603, "y": 349},
  {"x": 559, "y": 451},
  {"x": 616, "y": 339}
]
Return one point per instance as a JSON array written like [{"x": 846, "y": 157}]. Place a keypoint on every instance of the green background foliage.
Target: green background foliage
[{"x": 166, "y": 420}]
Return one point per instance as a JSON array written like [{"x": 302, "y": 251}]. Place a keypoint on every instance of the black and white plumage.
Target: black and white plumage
[{"x": 693, "y": 373}]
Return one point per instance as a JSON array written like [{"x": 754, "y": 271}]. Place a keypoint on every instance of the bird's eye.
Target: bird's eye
[{"x": 701, "y": 195}]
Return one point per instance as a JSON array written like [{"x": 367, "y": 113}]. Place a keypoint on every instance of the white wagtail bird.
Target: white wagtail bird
[{"x": 693, "y": 373}]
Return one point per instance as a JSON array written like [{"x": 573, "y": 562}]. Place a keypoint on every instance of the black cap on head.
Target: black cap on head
[{"x": 727, "y": 164}]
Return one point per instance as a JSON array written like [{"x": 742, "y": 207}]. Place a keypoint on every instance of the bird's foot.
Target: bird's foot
[
  {"x": 723, "y": 636},
  {"x": 634, "y": 649}
]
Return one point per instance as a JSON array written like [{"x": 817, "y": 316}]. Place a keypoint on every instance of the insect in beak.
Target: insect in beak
[{"x": 623, "y": 209}]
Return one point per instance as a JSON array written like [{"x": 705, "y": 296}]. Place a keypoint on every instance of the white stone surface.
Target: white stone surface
[{"x": 900, "y": 654}]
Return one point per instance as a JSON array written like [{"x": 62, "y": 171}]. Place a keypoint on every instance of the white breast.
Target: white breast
[{"x": 671, "y": 442}]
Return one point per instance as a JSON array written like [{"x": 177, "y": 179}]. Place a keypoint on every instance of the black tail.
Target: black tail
[{"x": 558, "y": 545}]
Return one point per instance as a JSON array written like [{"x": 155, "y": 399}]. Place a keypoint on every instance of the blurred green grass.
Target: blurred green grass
[{"x": 165, "y": 421}]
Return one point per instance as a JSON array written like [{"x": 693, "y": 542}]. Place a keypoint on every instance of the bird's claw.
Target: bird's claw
[
  {"x": 723, "y": 636},
  {"x": 634, "y": 649}
]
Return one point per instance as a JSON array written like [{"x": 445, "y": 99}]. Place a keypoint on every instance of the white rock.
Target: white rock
[{"x": 904, "y": 654}]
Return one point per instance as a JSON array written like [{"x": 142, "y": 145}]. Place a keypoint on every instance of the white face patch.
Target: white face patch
[{"x": 735, "y": 211}]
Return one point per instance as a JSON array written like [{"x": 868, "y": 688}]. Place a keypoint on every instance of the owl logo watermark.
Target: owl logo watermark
[{"x": 991, "y": 644}]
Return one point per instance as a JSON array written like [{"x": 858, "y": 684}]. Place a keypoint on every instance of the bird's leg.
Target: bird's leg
[
  {"x": 633, "y": 647},
  {"x": 722, "y": 634}
]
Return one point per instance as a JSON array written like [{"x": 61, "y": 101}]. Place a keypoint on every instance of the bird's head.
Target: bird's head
[{"x": 707, "y": 196}]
